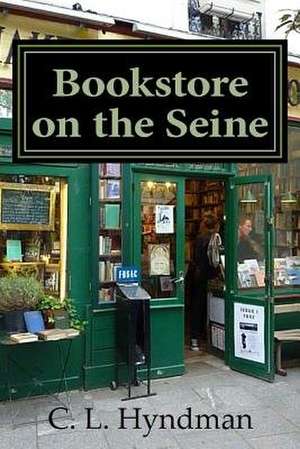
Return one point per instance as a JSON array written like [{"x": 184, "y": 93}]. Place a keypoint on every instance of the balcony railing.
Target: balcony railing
[{"x": 230, "y": 25}]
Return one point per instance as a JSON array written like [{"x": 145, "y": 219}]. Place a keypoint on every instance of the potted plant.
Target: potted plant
[
  {"x": 18, "y": 294},
  {"x": 59, "y": 313},
  {"x": 47, "y": 305}
]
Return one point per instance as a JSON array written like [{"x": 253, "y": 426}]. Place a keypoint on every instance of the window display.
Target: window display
[
  {"x": 33, "y": 217},
  {"x": 287, "y": 219}
]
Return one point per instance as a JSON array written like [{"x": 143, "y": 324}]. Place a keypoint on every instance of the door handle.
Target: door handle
[{"x": 178, "y": 280}]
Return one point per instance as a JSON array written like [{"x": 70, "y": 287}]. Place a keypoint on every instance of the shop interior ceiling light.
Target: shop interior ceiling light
[
  {"x": 288, "y": 198},
  {"x": 249, "y": 198}
]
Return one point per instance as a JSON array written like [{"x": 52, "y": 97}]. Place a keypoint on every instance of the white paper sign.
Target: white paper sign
[
  {"x": 164, "y": 219},
  {"x": 249, "y": 331}
]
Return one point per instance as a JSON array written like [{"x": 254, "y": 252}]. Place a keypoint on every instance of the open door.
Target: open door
[{"x": 250, "y": 313}]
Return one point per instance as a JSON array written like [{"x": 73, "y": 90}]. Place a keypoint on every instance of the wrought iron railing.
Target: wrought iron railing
[{"x": 226, "y": 27}]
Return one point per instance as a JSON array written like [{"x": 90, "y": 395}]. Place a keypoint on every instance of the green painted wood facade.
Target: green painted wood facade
[{"x": 93, "y": 357}]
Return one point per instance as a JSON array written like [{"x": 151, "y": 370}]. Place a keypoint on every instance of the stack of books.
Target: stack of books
[
  {"x": 23, "y": 337},
  {"x": 57, "y": 334}
]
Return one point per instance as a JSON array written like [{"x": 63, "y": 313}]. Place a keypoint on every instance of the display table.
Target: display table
[{"x": 10, "y": 360}]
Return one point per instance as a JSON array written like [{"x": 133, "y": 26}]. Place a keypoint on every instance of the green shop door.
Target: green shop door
[
  {"x": 250, "y": 325},
  {"x": 159, "y": 252}
]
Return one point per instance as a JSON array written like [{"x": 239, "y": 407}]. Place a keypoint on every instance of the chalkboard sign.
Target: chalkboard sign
[{"x": 27, "y": 206}]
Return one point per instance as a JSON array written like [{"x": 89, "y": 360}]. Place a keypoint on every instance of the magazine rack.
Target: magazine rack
[{"x": 133, "y": 337}]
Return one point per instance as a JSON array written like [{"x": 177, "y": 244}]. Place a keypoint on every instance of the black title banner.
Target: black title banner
[{"x": 134, "y": 100}]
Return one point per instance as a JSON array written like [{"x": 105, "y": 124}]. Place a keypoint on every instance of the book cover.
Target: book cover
[
  {"x": 112, "y": 216},
  {"x": 23, "y": 337},
  {"x": 113, "y": 189},
  {"x": 205, "y": 407},
  {"x": 34, "y": 321},
  {"x": 13, "y": 250},
  {"x": 61, "y": 319}
]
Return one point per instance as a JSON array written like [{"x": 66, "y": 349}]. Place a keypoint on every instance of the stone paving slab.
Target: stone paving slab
[
  {"x": 289, "y": 441},
  {"x": 208, "y": 388}
]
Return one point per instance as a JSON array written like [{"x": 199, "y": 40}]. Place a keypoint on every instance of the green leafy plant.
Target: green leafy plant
[
  {"x": 19, "y": 292},
  {"x": 49, "y": 303},
  {"x": 76, "y": 322},
  {"x": 290, "y": 21}
]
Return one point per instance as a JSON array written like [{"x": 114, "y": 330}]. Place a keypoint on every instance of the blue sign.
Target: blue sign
[{"x": 127, "y": 275}]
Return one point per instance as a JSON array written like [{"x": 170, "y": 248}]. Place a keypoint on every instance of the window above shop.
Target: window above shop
[{"x": 213, "y": 19}]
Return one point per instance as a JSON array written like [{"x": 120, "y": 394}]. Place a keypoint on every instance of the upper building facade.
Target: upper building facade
[{"x": 231, "y": 19}]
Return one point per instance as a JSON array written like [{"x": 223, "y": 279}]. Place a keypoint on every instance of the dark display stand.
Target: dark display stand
[{"x": 133, "y": 337}]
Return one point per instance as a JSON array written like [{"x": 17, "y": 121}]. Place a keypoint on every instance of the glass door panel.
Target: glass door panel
[
  {"x": 250, "y": 236},
  {"x": 159, "y": 235},
  {"x": 250, "y": 293}
]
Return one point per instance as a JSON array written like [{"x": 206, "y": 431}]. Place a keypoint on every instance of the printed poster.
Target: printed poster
[
  {"x": 249, "y": 342},
  {"x": 164, "y": 219},
  {"x": 159, "y": 259}
]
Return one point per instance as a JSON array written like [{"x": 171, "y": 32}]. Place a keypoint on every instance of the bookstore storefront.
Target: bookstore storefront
[
  {"x": 104, "y": 215},
  {"x": 159, "y": 208},
  {"x": 123, "y": 227}
]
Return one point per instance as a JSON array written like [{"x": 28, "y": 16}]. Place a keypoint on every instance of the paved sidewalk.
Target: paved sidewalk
[{"x": 208, "y": 388}]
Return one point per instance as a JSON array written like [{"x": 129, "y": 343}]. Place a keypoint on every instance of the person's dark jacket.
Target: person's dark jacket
[
  {"x": 202, "y": 268},
  {"x": 247, "y": 249}
]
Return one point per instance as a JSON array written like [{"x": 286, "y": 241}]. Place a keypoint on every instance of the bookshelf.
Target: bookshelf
[
  {"x": 110, "y": 178},
  {"x": 288, "y": 232},
  {"x": 201, "y": 197}
]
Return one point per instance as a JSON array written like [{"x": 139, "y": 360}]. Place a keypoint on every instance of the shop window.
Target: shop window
[
  {"x": 5, "y": 103},
  {"x": 109, "y": 229},
  {"x": 33, "y": 229},
  {"x": 286, "y": 178}
]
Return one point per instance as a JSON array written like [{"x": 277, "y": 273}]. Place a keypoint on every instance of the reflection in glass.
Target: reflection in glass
[
  {"x": 287, "y": 210},
  {"x": 158, "y": 227},
  {"x": 250, "y": 249}
]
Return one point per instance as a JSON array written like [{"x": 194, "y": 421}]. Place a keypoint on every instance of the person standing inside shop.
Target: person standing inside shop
[
  {"x": 248, "y": 248},
  {"x": 203, "y": 270}
]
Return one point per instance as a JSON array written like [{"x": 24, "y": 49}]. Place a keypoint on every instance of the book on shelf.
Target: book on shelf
[
  {"x": 293, "y": 262},
  {"x": 246, "y": 279},
  {"x": 51, "y": 280},
  {"x": 105, "y": 247},
  {"x": 260, "y": 278},
  {"x": 113, "y": 189},
  {"x": 108, "y": 270},
  {"x": 111, "y": 169},
  {"x": 109, "y": 189},
  {"x": 293, "y": 275},
  {"x": 23, "y": 337},
  {"x": 31, "y": 252},
  {"x": 13, "y": 250},
  {"x": 112, "y": 216},
  {"x": 106, "y": 294}
]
